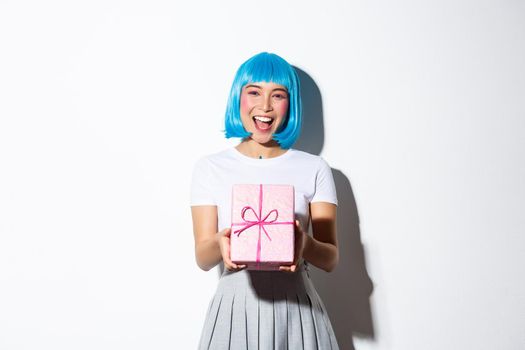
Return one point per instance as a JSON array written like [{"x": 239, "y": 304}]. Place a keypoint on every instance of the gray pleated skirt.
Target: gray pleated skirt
[{"x": 266, "y": 310}]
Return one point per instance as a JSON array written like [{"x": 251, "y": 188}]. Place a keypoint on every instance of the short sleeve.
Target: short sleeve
[
  {"x": 201, "y": 184},
  {"x": 324, "y": 184}
]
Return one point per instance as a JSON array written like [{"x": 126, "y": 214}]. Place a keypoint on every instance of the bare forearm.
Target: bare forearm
[
  {"x": 321, "y": 254},
  {"x": 208, "y": 254}
]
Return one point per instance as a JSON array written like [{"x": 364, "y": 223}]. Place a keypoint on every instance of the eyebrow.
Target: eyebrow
[{"x": 258, "y": 87}]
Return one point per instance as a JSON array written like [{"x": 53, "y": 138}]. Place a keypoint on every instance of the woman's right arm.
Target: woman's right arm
[{"x": 211, "y": 246}]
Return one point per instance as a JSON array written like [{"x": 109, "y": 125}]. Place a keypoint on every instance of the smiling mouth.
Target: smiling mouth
[{"x": 262, "y": 123}]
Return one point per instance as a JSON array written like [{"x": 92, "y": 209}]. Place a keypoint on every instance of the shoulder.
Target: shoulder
[
  {"x": 218, "y": 164},
  {"x": 311, "y": 160},
  {"x": 214, "y": 158}
]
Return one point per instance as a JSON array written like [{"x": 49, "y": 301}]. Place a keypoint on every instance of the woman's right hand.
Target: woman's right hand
[{"x": 223, "y": 238}]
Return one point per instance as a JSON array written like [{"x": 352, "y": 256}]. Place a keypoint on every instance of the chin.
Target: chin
[{"x": 263, "y": 140}]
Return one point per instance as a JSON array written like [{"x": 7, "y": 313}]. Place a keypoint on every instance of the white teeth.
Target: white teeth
[{"x": 263, "y": 119}]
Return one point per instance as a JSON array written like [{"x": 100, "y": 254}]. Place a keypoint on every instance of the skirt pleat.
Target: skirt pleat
[
  {"x": 266, "y": 324},
  {"x": 261, "y": 310},
  {"x": 326, "y": 320},
  {"x": 295, "y": 329},
  {"x": 280, "y": 313},
  {"x": 307, "y": 323},
  {"x": 321, "y": 330},
  {"x": 220, "y": 338},
  {"x": 239, "y": 335},
  {"x": 252, "y": 320},
  {"x": 209, "y": 323}
]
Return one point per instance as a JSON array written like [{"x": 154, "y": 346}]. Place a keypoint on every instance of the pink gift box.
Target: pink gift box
[{"x": 262, "y": 226}]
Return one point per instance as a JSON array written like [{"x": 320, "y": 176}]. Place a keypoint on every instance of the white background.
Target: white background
[{"x": 106, "y": 105}]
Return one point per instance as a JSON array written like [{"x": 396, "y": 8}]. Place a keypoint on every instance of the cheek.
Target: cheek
[
  {"x": 245, "y": 105},
  {"x": 282, "y": 108}
]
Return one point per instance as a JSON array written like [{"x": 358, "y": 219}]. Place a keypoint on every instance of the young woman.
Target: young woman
[{"x": 265, "y": 309}]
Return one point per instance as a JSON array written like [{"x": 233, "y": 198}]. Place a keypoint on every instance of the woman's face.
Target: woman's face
[{"x": 264, "y": 107}]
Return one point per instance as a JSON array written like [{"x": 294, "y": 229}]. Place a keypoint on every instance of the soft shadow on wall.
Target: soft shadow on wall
[{"x": 345, "y": 291}]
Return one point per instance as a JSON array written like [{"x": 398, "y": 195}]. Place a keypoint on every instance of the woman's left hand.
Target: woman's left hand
[{"x": 300, "y": 242}]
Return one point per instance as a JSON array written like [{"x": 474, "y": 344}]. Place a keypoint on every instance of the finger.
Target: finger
[
  {"x": 226, "y": 259},
  {"x": 226, "y": 232},
  {"x": 235, "y": 267},
  {"x": 230, "y": 266},
  {"x": 284, "y": 268}
]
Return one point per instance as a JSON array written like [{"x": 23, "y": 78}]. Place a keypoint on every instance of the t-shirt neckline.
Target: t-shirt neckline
[{"x": 263, "y": 161}]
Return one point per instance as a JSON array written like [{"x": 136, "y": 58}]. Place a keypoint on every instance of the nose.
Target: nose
[{"x": 267, "y": 103}]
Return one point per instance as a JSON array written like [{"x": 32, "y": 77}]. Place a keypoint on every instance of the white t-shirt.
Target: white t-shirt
[{"x": 214, "y": 175}]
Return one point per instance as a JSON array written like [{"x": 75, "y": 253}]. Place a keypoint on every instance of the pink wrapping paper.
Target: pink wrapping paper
[{"x": 262, "y": 226}]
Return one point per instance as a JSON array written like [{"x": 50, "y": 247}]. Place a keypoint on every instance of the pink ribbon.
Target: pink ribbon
[{"x": 260, "y": 222}]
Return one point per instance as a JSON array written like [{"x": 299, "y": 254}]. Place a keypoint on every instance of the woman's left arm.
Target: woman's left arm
[{"x": 321, "y": 250}]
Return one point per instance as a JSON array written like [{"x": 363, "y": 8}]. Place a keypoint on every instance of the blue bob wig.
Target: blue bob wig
[{"x": 266, "y": 67}]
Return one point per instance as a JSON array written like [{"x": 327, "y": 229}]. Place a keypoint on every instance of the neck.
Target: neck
[{"x": 252, "y": 149}]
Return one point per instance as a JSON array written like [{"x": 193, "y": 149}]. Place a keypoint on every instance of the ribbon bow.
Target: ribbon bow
[{"x": 259, "y": 221}]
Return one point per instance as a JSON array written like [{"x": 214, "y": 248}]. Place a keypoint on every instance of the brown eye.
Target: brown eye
[{"x": 253, "y": 93}]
